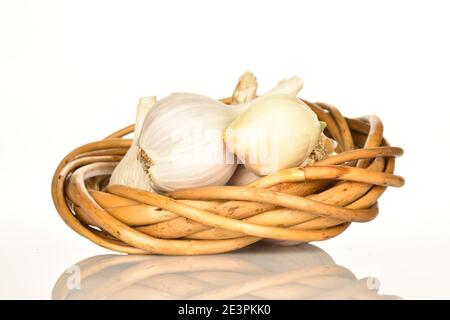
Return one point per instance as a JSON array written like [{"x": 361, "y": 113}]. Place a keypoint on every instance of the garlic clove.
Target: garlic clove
[
  {"x": 277, "y": 132},
  {"x": 129, "y": 171},
  {"x": 242, "y": 176},
  {"x": 142, "y": 109}
]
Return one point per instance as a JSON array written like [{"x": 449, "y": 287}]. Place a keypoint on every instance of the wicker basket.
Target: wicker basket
[{"x": 314, "y": 203}]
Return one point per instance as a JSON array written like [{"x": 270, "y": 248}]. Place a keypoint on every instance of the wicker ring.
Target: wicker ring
[{"x": 313, "y": 203}]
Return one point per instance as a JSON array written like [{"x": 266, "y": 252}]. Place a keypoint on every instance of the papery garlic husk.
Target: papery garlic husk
[
  {"x": 275, "y": 133},
  {"x": 129, "y": 171}
]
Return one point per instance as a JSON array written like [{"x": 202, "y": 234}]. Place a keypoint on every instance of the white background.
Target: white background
[{"x": 71, "y": 72}]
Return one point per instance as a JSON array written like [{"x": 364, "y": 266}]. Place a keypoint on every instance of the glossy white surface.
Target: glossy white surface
[
  {"x": 71, "y": 72},
  {"x": 258, "y": 272}
]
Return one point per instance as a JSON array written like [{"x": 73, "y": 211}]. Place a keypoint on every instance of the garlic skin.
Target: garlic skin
[
  {"x": 242, "y": 176},
  {"x": 181, "y": 142},
  {"x": 275, "y": 133},
  {"x": 129, "y": 171}
]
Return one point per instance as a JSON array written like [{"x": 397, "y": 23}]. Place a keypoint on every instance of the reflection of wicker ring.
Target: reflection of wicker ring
[
  {"x": 313, "y": 203},
  {"x": 303, "y": 272}
]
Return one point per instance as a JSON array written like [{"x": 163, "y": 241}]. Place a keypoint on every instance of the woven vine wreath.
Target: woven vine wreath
[{"x": 313, "y": 203}]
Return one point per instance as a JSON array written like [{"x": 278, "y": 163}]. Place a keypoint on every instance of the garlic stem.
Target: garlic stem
[
  {"x": 290, "y": 87},
  {"x": 245, "y": 89}
]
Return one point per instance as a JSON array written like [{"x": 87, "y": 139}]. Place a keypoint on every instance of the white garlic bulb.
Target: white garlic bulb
[
  {"x": 277, "y": 132},
  {"x": 181, "y": 142}
]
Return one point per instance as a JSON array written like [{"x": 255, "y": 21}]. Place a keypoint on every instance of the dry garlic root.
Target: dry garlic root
[{"x": 324, "y": 148}]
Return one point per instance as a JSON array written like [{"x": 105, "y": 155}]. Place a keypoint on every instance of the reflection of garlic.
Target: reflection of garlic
[
  {"x": 129, "y": 171},
  {"x": 181, "y": 142},
  {"x": 275, "y": 133}
]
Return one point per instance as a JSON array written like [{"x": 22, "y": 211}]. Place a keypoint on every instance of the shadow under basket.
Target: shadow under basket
[{"x": 313, "y": 203}]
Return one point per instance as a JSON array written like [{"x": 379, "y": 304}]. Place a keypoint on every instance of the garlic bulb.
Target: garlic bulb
[
  {"x": 277, "y": 132},
  {"x": 181, "y": 143},
  {"x": 129, "y": 171}
]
